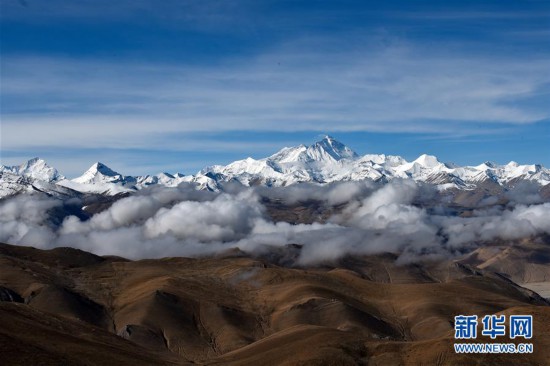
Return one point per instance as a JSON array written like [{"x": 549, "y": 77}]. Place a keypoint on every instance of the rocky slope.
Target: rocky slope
[{"x": 72, "y": 307}]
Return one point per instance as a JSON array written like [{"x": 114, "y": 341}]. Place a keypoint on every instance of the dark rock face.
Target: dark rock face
[{"x": 9, "y": 295}]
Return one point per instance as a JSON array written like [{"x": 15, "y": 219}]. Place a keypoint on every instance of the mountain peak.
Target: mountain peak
[
  {"x": 325, "y": 150},
  {"x": 428, "y": 161},
  {"x": 98, "y": 172},
  {"x": 328, "y": 138},
  {"x": 512, "y": 164},
  {"x": 103, "y": 169},
  {"x": 334, "y": 148},
  {"x": 289, "y": 154},
  {"x": 34, "y": 160},
  {"x": 37, "y": 168}
]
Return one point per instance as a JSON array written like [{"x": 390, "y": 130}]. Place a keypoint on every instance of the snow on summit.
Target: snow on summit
[
  {"x": 427, "y": 161},
  {"x": 35, "y": 168},
  {"x": 99, "y": 173},
  {"x": 324, "y": 161},
  {"x": 329, "y": 160},
  {"x": 329, "y": 148}
]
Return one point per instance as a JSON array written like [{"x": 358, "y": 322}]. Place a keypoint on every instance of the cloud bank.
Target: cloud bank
[{"x": 182, "y": 221}]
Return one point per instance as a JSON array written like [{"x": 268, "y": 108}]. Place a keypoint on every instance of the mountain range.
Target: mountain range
[
  {"x": 185, "y": 277},
  {"x": 325, "y": 161}
]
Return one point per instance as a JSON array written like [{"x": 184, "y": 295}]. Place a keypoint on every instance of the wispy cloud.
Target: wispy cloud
[
  {"x": 141, "y": 76},
  {"x": 395, "y": 88}
]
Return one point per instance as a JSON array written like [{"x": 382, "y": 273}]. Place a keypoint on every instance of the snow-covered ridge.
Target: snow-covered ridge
[
  {"x": 99, "y": 178},
  {"x": 325, "y": 161},
  {"x": 329, "y": 160},
  {"x": 35, "y": 169}
]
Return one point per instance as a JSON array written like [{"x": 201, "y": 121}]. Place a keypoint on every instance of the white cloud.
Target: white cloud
[
  {"x": 181, "y": 221},
  {"x": 396, "y": 88}
]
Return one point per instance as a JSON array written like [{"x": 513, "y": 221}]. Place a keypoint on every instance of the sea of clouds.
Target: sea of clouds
[{"x": 401, "y": 217}]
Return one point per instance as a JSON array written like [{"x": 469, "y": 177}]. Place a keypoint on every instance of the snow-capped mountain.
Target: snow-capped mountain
[
  {"x": 165, "y": 179},
  {"x": 99, "y": 178},
  {"x": 325, "y": 161},
  {"x": 34, "y": 175},
  {"x": 35, "y": 169},
  {"x": 100, "y": 173},
  {"x": 329, "y": 161}
]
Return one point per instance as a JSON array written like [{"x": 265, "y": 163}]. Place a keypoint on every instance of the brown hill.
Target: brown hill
[{"x": 82, "y": 309}]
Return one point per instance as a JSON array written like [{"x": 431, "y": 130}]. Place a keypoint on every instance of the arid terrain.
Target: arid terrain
[{"x": 67, "y": 306}]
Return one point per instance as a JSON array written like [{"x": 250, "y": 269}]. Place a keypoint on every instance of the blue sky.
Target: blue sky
[{"x": 147, "y": 86}]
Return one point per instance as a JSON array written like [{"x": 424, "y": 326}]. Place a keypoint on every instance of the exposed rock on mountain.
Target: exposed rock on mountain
[{"x": 323, "y": 162}]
